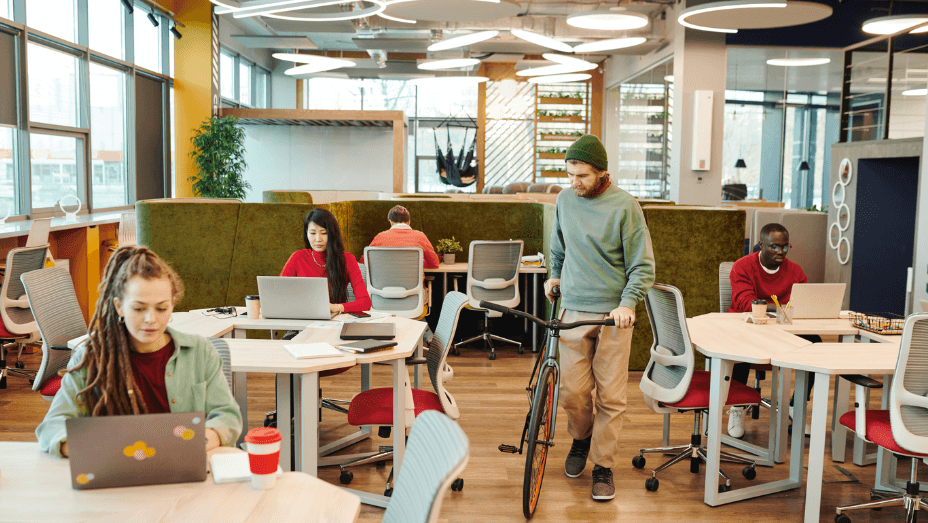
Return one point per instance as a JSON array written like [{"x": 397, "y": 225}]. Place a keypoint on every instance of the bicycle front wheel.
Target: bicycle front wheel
[{"x": 537, "y": 443}]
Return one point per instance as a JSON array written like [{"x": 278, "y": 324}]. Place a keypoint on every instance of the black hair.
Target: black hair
[
  {"x": 398, "y": 214},
  {"x": 771, "y": 228},
  {"x": 334, "y": 253}
]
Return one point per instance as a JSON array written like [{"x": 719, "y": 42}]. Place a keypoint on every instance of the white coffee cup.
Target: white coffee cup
[
  {"x": 759, "y": 309},
  {"x": 263, "y": 481},
  {"x": 253, "y": 306}
]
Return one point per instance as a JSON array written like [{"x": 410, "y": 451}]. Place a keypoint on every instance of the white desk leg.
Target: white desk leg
[
  {"x": 816, "y": 442},
  {"x": 238, "y": 334},
  {"x": 399, "y": 415},
  {"x": 306, "y": 422},
  {"x": 240, "y": 393},
  {"x": 718, "y": 392},
  {"x": 283, "y": 420},
  {"x": 785, "y": 381},
  {"x": 885, "y": 461},
  {"x": 417, "y": 373},
  {"x": 838, "y": 431},
  {"x": 861, "y": 458}
]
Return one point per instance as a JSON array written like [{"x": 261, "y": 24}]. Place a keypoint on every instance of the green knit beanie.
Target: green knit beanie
[{"x": 590, "y": 150}]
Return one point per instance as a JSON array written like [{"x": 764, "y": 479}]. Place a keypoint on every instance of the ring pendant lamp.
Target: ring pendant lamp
[
  {"x": 915, "y": 92},
  {"x": 313, "y": 63},
  {"x": 609, "y": 45},
  {"x": 887, "y": 25},
  {"x": 456, "y": 79},
  {"x": 542, "y": 40},
  {"x": 560, "y": 78},
  {"x": 729, "y": 16},
  {"x": 462, "y": 41},
  {"x": 607, "y": 20}
]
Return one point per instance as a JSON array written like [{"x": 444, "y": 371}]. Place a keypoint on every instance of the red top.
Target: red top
[
  {"x": 402, "y": 237},
  {"x": 149, "y": 369},
  {"x": 263, "y": 436},
  {"x": 749, "y": 282},
  {"x": 308, "y": 263}
]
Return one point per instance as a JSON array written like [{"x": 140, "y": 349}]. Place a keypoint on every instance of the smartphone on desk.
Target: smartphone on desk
[{"x": 360, "y": 314}]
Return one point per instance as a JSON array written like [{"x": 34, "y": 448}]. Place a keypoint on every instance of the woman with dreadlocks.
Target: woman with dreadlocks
[{"x": 133, "y": 363}]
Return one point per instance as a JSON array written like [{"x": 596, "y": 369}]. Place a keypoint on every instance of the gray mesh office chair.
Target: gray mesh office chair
[
  {"x": 515, "y": 187},
  {"x": 537, "y": 187},
  {"x": 222, "y": 347},
  {"x": 671, "y": 383},
  {"x": 903, "y": 429},
  {"x": 760, "y": 371},
  {"x": 436, "y": 453},
  {"x": 493, "y": 275},
  {"x": 59, "y": 319},
  {"x": 395, "y": 280},
  {"x": 374, "y": 407},
  {"x": 19, "y": 325},
  {"x": 127, "y": 229}
]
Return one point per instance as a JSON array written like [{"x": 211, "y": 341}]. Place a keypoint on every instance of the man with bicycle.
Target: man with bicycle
[{"x": 601, "y": 257}]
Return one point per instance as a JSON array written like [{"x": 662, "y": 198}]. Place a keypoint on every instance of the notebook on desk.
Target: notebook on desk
[
  {"x": 147, "y": 449},
  {"x": 294, "y": 298},
  {"x": 817, "y": 300}
]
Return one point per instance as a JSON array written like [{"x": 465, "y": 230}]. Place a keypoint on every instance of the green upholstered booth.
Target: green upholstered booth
[
  {"x": 219, "y": 248},
  {"x": 287, "y": 197}
]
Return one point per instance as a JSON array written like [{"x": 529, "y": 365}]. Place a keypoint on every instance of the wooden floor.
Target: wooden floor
[{"x": 493, "y": 404}]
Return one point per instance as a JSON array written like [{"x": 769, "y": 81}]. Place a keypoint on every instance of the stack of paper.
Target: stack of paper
[
  {"x": 534, "y": 261},
  {"x": 302, "y": 351}
]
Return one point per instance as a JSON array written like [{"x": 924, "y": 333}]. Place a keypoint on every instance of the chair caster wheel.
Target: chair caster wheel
[
  {"x": 651, "y": 484},
  {"x": 457, "y": 485},
  {"x": 20, "y": 365},
  {"x": 638, "y": 462},
  {"x": 749, "y": 472},
  {"x": 3, "y": 382},
  {"x": 521, "y": 350},
  {"x": 345, "y": 477},
  {"x": 872, "y": 498},
  {"x": 388, "y": 492},
  {"x": 694, "y": 465},
  {"x": 724, "y": 488},
  {"x": 455, "y": 351},
  {"x": 841, "y": 518},
  {"x": 492, "y": 355}
]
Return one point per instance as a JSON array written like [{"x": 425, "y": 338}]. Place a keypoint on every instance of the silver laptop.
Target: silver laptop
[
  {"x": 125, "y": 451},
  {"x": 294, "y": 298},
  {"x": 817, "y": 300}
]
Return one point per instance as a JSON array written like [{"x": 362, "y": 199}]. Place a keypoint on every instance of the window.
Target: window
[
  {"x": 244, "y": 82},
  {"x": 742, "y": 141},
  {"x": 333, "y": 93},
  {"x": 147, "y": 40},
  {"x": 390, "y": 95},
  {"x": 5, "y": 11},
  {"x": 57, "y": 165},
  {"x": 55, "y": 17},
  {"x": 262, "y": 90},
  {"x": 109, "y": 182},
  {"x": 227, "y": 75},
  {"x": 9, "y": 179},
  {"x": 53, "y": 86},
  {"x": 106, "y": 27}
]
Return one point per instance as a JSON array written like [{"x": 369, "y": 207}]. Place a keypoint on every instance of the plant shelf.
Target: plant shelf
[
  {"x": 552, "y": 156},
  {"x": 559, "y": 137},
  {"x": 560, "y": 119},
  {"x": 553, "y": 174},
  {"x": 560, "y": 101}
]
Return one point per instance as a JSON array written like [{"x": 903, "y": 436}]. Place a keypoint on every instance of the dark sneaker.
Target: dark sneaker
[
  {"x": 576, "y": 458},
  {"x": 603, "y": 488}
]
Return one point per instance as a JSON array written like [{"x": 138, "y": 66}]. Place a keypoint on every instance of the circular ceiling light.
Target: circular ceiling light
[
  {"x": 566, "y": 64},
  {"x": 396, "y": 18},
  {"x": 279, "y": 7},
  {"x": 608, "y": 45},
  {"x": 607, "y": 20},
  {"x": 798, "y": 62},
  {"x": 314, "y": 64},
  {"x": 886, "y": 25},
  {"x": 452, "y": 63},
  {"x": 915, "y": 92},
  {"x": 669, "y": 78},
  {"x": 463, "y": 41},
  {"x": 542, "y": 40},
  {"x": 378, "y": 7},
  {"x": 440, "y": 80},
  {"x": 731, "y": 15},
  {"x": 560, "y": 78},
  {"x": 447, "y": 11},
  {"x": 569, "y": 60}
]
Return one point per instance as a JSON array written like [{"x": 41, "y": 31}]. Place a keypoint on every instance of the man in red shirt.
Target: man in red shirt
[
  {"x": 401, "y": 234},
  {"x": 759, "y": 276}
]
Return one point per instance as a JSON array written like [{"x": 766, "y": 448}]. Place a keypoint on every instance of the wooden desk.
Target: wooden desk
[{"x": 35, "y": 486}]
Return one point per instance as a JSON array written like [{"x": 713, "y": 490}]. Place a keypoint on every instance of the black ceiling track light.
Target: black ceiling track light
[
  {"x": 175, "y": 32},
  {"x": 152, "y": 19},
  {"x": 128, "y": 5}
]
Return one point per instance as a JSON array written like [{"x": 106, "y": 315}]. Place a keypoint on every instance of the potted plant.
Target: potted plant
[
  {"x": 448, "y": 248},
  {"x": 219, "y": 152}
]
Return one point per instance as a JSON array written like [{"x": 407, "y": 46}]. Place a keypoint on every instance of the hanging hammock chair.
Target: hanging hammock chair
[{"x": 460, "y": 171}]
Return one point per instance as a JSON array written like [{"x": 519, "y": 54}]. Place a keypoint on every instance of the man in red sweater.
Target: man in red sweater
[
  {"x": 401, "y": 234},
  {"x": 759, "y": 276}
]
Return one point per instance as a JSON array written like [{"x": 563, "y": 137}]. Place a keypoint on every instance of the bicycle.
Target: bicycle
[{"x": 542, "y": 395}]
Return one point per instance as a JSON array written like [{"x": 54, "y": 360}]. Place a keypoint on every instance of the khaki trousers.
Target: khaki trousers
[{"x": 594, "y": 372}]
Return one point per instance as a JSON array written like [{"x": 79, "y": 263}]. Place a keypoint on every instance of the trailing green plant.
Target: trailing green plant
[
  {"x": 219, "y": 152},
  {"x": 448, "y": 246},
  {"x": 553, "y": 150}
]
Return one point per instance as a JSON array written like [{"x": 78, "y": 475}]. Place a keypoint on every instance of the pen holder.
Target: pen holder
[{"x": 784, "y": 316}]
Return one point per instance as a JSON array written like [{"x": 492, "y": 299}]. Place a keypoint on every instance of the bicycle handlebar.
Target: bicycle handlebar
[{"x": 608, "y": 322}]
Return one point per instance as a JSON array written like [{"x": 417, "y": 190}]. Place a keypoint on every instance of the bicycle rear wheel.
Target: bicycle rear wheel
[{"x": 537, "y": 443}]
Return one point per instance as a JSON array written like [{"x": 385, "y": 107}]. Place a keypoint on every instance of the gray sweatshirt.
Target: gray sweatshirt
[{"x": 601, "y": 251}]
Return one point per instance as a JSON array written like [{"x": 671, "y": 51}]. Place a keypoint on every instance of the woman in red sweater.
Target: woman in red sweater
[{"x": 325, "y": 257}]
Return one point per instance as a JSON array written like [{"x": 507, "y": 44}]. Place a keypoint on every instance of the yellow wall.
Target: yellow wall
[{"x": 192, "y": 84}]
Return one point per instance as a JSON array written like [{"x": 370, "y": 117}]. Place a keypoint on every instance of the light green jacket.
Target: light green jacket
[{"x": 194, "y": 381}]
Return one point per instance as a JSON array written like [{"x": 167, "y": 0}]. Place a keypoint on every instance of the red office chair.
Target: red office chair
[
  {"x": 375, "y": 407},
  {"x": 18, "y": 325}
]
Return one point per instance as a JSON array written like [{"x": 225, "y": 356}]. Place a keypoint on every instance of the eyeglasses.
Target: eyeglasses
[{"x": 780, "y": 248}]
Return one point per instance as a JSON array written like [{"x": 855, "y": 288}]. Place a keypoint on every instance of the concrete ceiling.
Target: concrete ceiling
[{"x": 399, "y": 44}]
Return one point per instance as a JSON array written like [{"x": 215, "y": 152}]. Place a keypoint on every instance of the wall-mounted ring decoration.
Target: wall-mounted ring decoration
[
  {"x": 834, "y": 235},
  {"x": 837, "y": 195},
  {"x": 844, "y": 250},
  {"x": 845, "y": 171},
  {"x": 844, "y": 217}
]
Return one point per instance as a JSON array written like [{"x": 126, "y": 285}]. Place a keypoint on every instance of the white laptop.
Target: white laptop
[
  {"x": 817, "y": 300},
  {"x": 294, "y": 298}
]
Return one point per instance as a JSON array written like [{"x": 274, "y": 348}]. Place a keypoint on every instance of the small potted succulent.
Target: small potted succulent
[{"x": 447, "y": 248}]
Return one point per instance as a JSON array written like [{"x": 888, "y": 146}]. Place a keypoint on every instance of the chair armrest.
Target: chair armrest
[
  {"x": 416, "y": 361},
  {"x": 863, "y": 381},
  {"x": 54, "y": 347}
]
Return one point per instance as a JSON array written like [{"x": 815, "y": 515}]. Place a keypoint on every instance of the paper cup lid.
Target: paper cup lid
[{"x": 263, "y": 436}]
